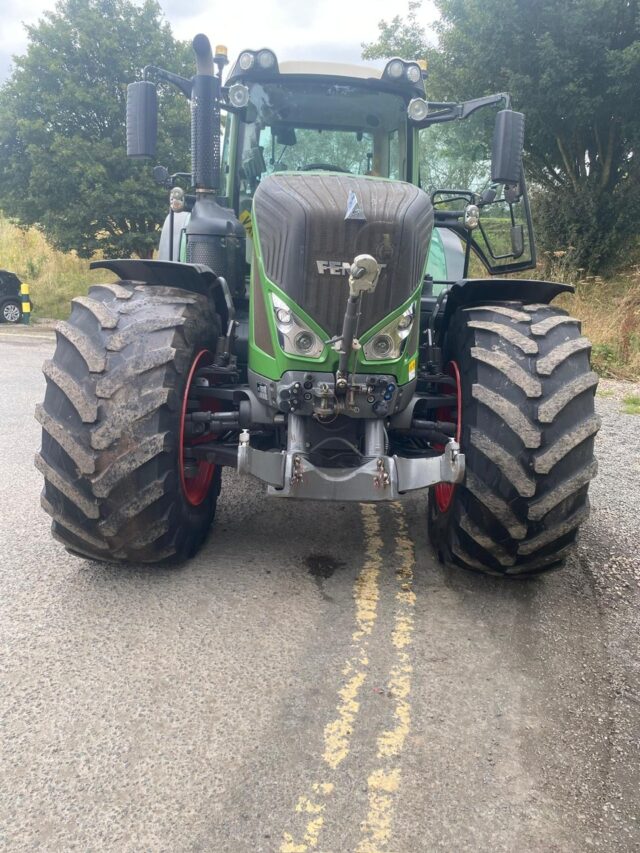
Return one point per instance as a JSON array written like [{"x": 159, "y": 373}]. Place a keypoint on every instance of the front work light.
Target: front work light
[
  {"x": 413, "y": 72},
  {"x": 400, "y": 71},
  {"x": 417, "y": 109},
  {"x": 266, "y": 60},
  {"x": 246, "y": 60},
  {"x": 395, "y": 69},
  {"x": 238, "y": 95},
  {"x": 255, "y": 63}
]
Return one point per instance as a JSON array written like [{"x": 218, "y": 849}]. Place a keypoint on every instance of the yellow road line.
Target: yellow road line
[
  {"x": 337, "y": 733},
  {"x": 383, "y": 783}
]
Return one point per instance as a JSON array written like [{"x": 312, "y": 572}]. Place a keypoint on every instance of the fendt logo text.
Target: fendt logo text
[
  {"x": 337, "y": 267},
  {"x": 333, "y": 267}
]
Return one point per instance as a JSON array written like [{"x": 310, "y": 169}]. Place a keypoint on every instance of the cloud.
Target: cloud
[
  {"x": 13, "y": 35},
  {"x": 315, "y": 29},
  {"x": 318, "y": 29}
]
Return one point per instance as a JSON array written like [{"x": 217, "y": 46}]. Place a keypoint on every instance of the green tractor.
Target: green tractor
[{"x": 313, "y": 320}]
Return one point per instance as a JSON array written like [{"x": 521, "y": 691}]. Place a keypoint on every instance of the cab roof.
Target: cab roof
[
  {"x": 334, "y": 69},
  {"x": 337, "y": 71}
]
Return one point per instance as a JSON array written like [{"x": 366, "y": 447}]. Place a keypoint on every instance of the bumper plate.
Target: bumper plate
[{"x": 385, "y": 478}]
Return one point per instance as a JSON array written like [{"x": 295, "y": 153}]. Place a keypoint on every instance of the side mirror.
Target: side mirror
[
  {"x": 506, "y": 152},
  {"x": 285, "y": 135},
  {"x": 142, "y": 119},
  {"x": 254, "y": 166}
]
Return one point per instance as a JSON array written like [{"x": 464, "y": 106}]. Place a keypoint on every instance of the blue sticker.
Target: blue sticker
[{"x": 354, "y": 211}]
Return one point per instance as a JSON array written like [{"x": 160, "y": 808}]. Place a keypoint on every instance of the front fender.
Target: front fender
[
  {"x": 192, "y": 278},
  {"x": 476, "y": 291}
]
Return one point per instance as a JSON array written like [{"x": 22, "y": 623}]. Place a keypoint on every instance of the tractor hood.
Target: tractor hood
[{"x": 309, "y": 227}]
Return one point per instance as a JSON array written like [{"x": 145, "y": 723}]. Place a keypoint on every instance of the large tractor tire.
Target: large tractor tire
[
  {"x": 527, "y": 431},
  {"x": 116, "y": 485}
]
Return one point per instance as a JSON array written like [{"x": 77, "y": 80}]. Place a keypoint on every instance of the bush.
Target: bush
[{"x": 594, "y": 231}]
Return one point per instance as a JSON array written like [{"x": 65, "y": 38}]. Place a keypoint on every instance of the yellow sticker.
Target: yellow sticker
[
  {"x": 245, "y": 218},
  {"x": 412, "y": 369}
]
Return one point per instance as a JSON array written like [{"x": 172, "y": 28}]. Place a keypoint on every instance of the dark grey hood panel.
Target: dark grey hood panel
[{"x": 301, "y": 222}]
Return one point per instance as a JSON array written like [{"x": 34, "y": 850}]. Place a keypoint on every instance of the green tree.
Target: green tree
[
  {"x": 63, "y": 164},
  {"x": 400, "y": 37},
  {"x": 574, "y": 68}
]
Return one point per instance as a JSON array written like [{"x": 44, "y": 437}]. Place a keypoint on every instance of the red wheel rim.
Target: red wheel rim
[
  {"x": 196, "y": 486},
  {"x": 444, "y": 492}
]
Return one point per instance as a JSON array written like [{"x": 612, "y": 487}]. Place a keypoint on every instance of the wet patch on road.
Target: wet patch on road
[{"x": 323, "y": 566}]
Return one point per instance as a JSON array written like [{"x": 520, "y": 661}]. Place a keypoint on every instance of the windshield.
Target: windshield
[{"x": 320, "y": 124}]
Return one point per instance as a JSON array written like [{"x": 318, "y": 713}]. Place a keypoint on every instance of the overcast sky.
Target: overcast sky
[{"x": 295, "y": 29}]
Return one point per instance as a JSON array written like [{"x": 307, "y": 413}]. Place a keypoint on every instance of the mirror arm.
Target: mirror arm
[
  {"x": 176, "y": 80},
  {"x": 442, "y": 111},
  {"x": 468, "y": 107}
]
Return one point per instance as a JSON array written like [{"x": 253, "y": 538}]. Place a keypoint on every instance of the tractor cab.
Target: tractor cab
[
  {"x": 308, "y": 116},
  {"x": 311, "y": 116}
]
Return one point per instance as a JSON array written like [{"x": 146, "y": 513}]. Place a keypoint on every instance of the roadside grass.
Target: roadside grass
[
  {"x": 609, "y": 310},
  {"x": 631, "y": 405},
  {"x": 610, "y": 315},
  {"x": 54, "y": 278}
]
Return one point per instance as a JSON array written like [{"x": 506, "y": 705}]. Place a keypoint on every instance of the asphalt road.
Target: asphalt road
[{"x": 314, "y": 680}]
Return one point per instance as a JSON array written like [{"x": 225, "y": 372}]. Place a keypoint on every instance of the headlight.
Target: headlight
[
  {"x": 417, "y": 109},
  {"x": 304, "y": 342},
  {"x": 390, "y": 341},
  {"x": 382, "y": 346},
  {"x": 294, "y": 336},
  {"x": 246, "y": 60}
]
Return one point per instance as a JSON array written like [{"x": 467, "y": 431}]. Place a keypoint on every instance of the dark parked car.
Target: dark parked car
[{"x": 10, "y": 302}]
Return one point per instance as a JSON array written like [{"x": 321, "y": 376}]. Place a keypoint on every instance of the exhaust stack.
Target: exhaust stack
[{"x": 205, "y": 119}]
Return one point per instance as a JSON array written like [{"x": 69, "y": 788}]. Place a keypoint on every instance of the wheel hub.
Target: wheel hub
[{"x": 11, "y": 313}]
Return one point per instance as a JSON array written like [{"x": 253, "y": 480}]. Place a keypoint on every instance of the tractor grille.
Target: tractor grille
[{"x": 304, "y": 237}]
